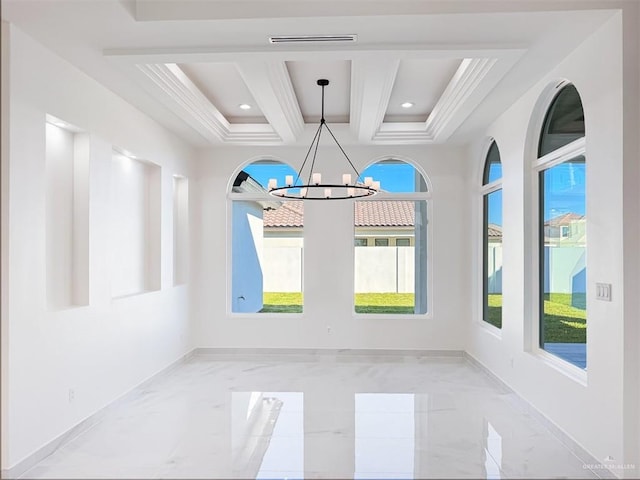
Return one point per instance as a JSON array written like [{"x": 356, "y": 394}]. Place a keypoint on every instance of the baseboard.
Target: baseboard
[
  {"x": 584, "y": 456},
  {"x": 310, "y": 354},
  {"x": 43, "y": 452}
]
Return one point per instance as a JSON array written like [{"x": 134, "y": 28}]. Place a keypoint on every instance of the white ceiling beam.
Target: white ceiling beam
[
  {"x": 177, "y": 91},
  {"x": 271, "y": 87},
  {"x": 470, "y": 73},
  {"x": 371, "y": 85}
]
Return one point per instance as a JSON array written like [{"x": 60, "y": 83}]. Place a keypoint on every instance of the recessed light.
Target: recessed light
[
  {"x": 245, "y": 106},
  {"x": 407, "y": 105}
]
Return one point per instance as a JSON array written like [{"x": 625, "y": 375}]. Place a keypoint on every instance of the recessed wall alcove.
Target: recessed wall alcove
[
  {"x": 67, "y": 214},
  {"x": 135, "y": 225}
]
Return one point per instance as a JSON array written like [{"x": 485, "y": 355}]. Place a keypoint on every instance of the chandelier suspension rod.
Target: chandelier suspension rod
[{"x": 315, "y": 189}]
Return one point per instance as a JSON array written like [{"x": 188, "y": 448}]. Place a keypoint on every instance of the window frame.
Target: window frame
[
  {"x": 484, "y": 191},
  {"x": 251, "y": 197},
  {"x": 539, "y": 164},
  {"x": 426, "y": 196}
]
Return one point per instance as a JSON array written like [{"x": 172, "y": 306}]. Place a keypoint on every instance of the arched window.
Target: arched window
[
  {"x": 390, "y": 242},
  {"x": 492, "y": 237},
  {"x": 561, "y": 168},
  {"x": 267, "y": 243}
]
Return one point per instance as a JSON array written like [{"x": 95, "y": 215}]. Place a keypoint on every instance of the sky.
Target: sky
[
  {"x": 564, "y": 184},
  {"x": 393, "y": 177},
  {"x": 564, "y": 187}
]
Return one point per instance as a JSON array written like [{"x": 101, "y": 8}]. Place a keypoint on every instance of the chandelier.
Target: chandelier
[{"x": 314, "y": 188}]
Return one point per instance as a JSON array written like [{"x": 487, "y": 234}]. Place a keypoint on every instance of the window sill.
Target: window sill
[{"x": 576, "y": 374}]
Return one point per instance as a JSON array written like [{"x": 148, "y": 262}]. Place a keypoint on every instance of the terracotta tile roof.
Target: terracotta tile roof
[
  {"x": 564, "y": 219},
  {"x": 494, "y": 231},
  {"x": 398, "y": 213},
  {"x": 290, "y": 214}
]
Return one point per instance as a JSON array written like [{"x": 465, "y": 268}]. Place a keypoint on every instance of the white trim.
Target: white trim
[
  {"x": 532, "y": 270},
  {"x": 491, "y": 187},
  {"x": 568, "y": 369},
  {"x": 561, "y": 155},
  {"x": 484, "y": 190},
  {"x": 182, "y": 95},
  {"x": 372, "y": 82},
  {"x": 271, "y": 87},
  {"x": 312, "y": 354}
]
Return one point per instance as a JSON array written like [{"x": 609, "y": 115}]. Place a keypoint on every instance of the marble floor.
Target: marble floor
[{"x": 317, "y": 417}]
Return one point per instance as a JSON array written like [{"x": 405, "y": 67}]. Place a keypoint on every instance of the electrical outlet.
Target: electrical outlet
[
  {"x": 72, "y": 395},
  {"x": 329, "y": 329}
]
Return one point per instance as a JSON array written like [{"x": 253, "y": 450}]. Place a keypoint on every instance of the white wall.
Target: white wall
[
  {"x": 591, "y": 411},
  {"x": 328, "y": 261},
  {"x": 105, "y": 348}
]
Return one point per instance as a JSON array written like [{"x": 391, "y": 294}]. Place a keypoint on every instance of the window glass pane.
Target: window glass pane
[
  {"x": 563, "y": 322},
  {"x": 403, "y": 242},
  {"x": 564, "y": 122},
  {"x": 382, "y": 242},
  {"x": 262, "y": 170},
  {"x": 267, "y": 245},
  {"x": 492, "y": 166},
  {"x": 395, "y": 176},
  {"x": 391, "y": 279},
  {"x": 360, "y": 242},
  {"x": 492, "y": 288}
]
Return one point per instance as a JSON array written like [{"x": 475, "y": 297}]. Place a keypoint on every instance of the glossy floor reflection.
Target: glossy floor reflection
[{"x": 317, "y": 417}]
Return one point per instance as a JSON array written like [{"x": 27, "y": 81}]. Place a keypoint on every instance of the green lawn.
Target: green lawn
[
  {"x": 495, "y": 310},
  {"x": 563, "y": 323},
  {"x": 287, "y": 302},
  {"x": 282, "y": 302},
  {"x": 385, "y": 303}
]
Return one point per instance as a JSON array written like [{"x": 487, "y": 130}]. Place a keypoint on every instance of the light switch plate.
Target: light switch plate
[{"x": 603, "y": 291}]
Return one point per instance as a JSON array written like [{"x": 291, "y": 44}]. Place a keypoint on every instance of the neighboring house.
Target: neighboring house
[
  {"x": 494, "y": 259},
  {"x": 565, "y": 229},
  {"x": 495, "y": 233}
]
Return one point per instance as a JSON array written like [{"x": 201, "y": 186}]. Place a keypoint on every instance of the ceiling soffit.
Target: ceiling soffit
[{"x": 446, "y": 83}]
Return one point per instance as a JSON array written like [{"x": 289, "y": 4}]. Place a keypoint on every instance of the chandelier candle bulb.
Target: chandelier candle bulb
[
  {"x": 346, "y": 178},
  {"x": 289, "y": 180},
  {"x": 368, "y": 181},
  {"x": 317, "y": 178},
  {"x": 327, "y": 193},
  {"x": 273, "y": 183},
  {"x": 351, "y": 192},
  {"x": 375, "y": 186},
  {"x": 303, "y": 192}
]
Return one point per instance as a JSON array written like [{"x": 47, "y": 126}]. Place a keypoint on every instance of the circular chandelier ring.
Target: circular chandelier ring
[{"x": 352, "y": 191}]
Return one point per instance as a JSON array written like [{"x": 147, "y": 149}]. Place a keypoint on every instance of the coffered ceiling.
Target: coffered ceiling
[{"x": 192, "y": 64}]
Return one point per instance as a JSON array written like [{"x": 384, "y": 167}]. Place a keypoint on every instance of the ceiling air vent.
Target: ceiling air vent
[{"x": 312, "y": 38}]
